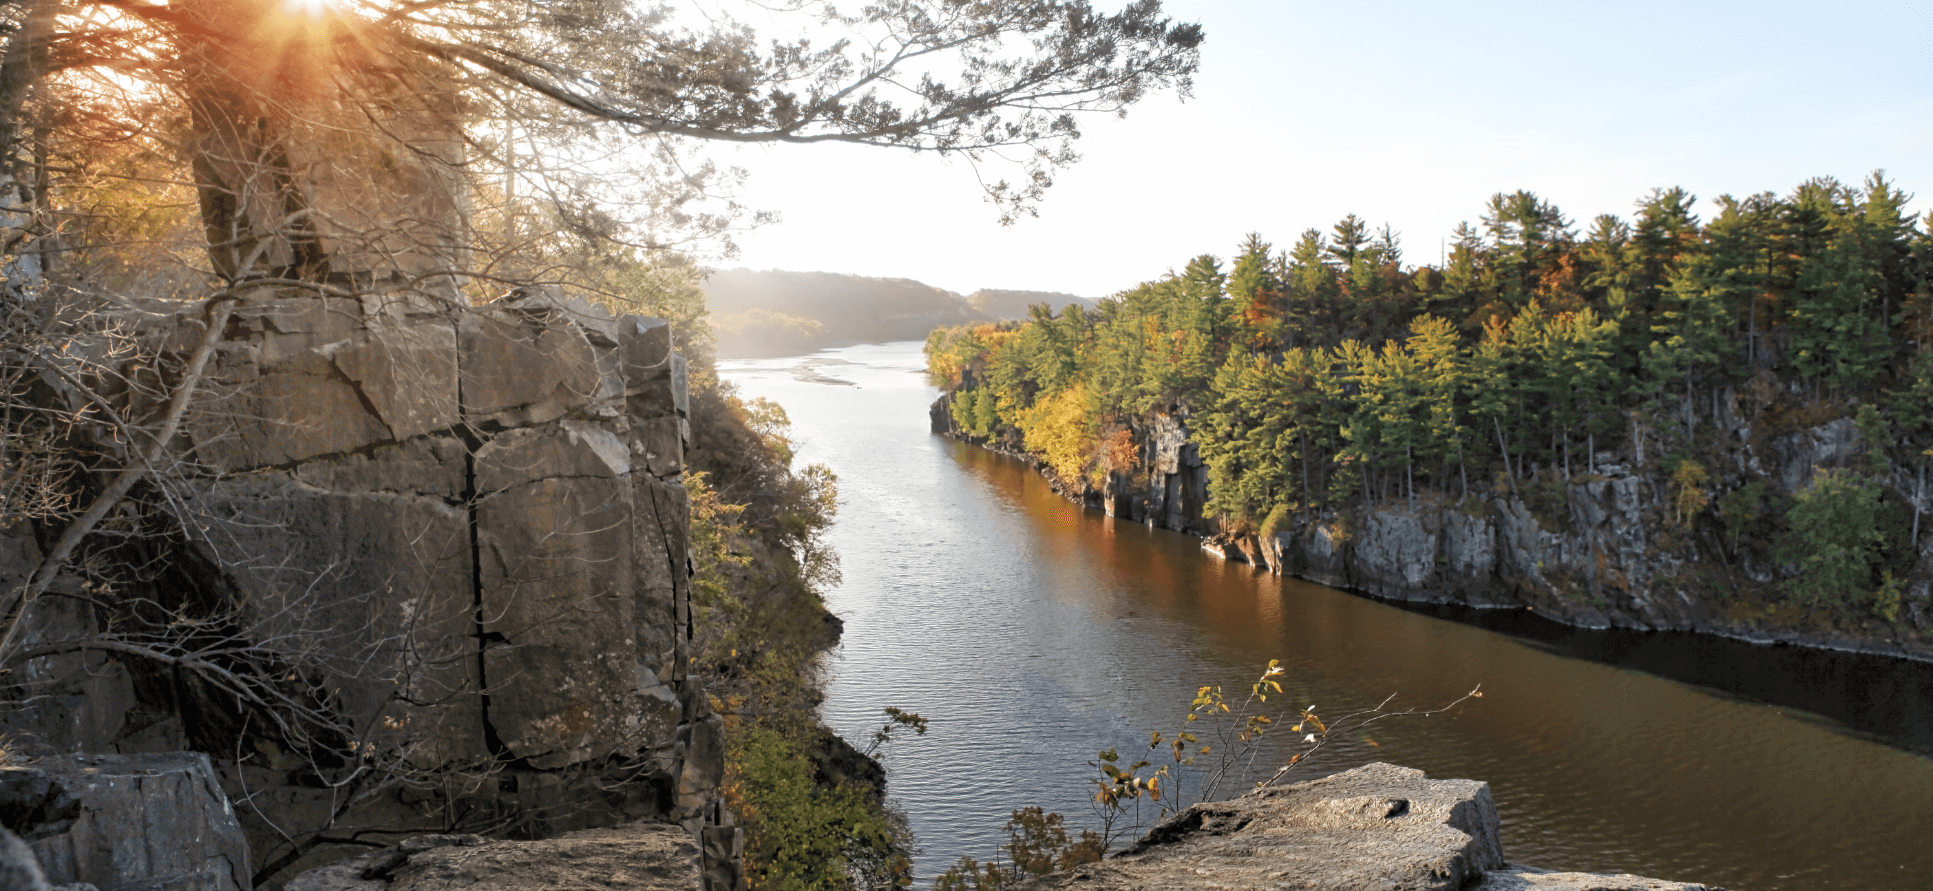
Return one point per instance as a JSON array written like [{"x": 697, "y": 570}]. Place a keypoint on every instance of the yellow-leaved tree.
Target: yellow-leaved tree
[{"x": 1061, "y": 428}]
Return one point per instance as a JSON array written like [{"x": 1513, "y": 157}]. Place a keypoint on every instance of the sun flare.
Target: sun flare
[{"x": 313, "y": 9}]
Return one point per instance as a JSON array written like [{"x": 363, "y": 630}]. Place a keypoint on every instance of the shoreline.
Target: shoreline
[{"x": 1221, "y": 547}]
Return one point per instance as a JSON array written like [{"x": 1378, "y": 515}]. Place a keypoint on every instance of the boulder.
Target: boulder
[
  {"x": 126, "y": 822},
  {"x": 517, "y": 370}
]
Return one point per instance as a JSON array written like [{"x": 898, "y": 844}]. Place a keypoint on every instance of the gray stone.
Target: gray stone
[
  {"x": 646, "y": 347},
  {"x": 127, "y": 821},
  {"x": 506, "y": 366},
  {"x": 286, "y": 328},
  {"x": 401, "y": 308},
  {"x": 1469, "y": 548},
  {"x": 19, "y": 868},
  {"x": 658, "y": 553},
  {"x": 634, "y": 857},
  {"x": 1316, "y": 551},
  {"x": 304, "y": 409},
  {"x": 380, "y": 581},
  {"x": 1525, "y": 878},
  {"x": 461, "y": 523},
  {"x": 408, "y": 375},
  {"x": 67, "y": 703},
  {"x": 680, "y": 387},
  {"x": 428, "y": 465},
  {"x": 563, "y": 451},
  {"x": 1166, "y": 438},
  {"x": 1378, "y": 826},
  {"x": 547, "y": 302},
  {"x": 1794, "y": 456},
  {"x": 1395, "y": 553},
  {"x": 704, "y": 767},
  {"x": 657, "y": 446},
  {"x": 557, "y": 602}
]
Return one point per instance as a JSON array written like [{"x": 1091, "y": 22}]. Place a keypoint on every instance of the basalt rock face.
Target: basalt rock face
[
  {"x": 1378, "y": 826},
  {"x": 467, "y": 529}
]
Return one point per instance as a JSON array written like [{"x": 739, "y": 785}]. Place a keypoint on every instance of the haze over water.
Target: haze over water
[{"x": 1033, "y": 634}]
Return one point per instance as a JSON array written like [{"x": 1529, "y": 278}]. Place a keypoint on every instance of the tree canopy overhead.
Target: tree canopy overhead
[{"x": 540, "y": 106}]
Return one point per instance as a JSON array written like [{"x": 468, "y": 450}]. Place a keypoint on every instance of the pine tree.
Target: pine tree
[
  {"x": 1257, "y": 296},
  {"x": 1444, "y": 368},
  {"x": 1351, "y": 235},
  {"x": 1313, "y": 288},
  {"x": 1835, "y": 302}
]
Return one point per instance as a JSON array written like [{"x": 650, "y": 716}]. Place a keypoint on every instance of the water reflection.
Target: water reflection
[{"x": 1032, "y": 634}]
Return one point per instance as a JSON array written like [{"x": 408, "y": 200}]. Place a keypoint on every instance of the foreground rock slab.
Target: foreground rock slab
[
  {"x": 1379, "y": 827},
  {"x": 1522, "y": 878},
  {"x": 636, "y": 857},
  {"x": 126, "y": 821}
]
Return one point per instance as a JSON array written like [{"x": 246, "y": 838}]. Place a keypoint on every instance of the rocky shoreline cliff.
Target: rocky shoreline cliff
[{"x": 1594, "y": 551}]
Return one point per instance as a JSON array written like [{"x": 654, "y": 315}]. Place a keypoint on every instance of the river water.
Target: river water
[{"x": 1032, "y": 634}]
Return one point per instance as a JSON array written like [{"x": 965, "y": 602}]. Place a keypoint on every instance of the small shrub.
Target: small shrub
[
  {"x": 802, "y": 835},
  {"x": 1889, "y": 598},
  {"x": 1038, "y": 843},
  {"x": 1690, "y": 490}
]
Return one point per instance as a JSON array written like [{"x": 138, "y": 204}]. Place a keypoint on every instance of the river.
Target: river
[{"x": 1032, "y": 634}]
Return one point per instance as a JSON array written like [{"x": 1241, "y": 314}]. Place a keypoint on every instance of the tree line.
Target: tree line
[{"x": 1333, "y": 372}]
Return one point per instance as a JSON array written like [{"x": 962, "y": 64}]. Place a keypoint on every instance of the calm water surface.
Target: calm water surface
[{"x": 1033, "y": 634}]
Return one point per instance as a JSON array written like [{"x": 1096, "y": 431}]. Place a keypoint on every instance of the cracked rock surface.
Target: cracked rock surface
[{"x": 1379, "y": 827}]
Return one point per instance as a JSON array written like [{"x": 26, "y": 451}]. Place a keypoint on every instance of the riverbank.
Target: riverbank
[
  {"x": 1586, "y": 552},
  {"x": 1033, "y": 634}
]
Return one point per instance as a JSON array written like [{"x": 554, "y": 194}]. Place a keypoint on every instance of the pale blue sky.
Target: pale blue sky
[{"x": 1406, "y": 113}]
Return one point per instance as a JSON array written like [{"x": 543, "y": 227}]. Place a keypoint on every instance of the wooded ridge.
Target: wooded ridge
[{"x": 1665, "y": 422}]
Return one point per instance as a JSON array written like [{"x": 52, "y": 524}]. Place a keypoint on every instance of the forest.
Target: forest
[{"x": 1334, "y": 375}]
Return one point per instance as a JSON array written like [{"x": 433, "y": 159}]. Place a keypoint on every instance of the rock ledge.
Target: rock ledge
[{"x": 1379, "y": 827}]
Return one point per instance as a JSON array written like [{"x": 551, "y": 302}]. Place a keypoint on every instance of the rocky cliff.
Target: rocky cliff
[
  {"x": 414, "y": 566},
  {"x": 1597, "y": 549}
]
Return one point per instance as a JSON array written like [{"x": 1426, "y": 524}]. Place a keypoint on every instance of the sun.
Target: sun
[{"x": 314, "y": 9}]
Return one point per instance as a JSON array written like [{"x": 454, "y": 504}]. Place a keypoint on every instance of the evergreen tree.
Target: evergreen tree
[
  {"x": 1242, "y": 437},
  {"x": 1526, "y": 235},
  {"x": 1834, "y": 303},
  {"x": 1835, "y": 538},
  {"x": 1351, "y": 235},
  {"x": 1257, "y": 295},
  {"x": 1444, "y": 369},
  {"x": 1463, "y": 278},
  {"x": 1497, "y": 401},
  {"x": 1313, "y": 287}
]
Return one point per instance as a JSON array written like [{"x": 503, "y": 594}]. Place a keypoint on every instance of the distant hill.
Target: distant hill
[
  {"x": 759, "y": 313},
  {"x": 1013, "y": 304}
]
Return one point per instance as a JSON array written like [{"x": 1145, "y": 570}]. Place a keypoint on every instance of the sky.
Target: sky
[{"x": 1406, "y": 113}]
